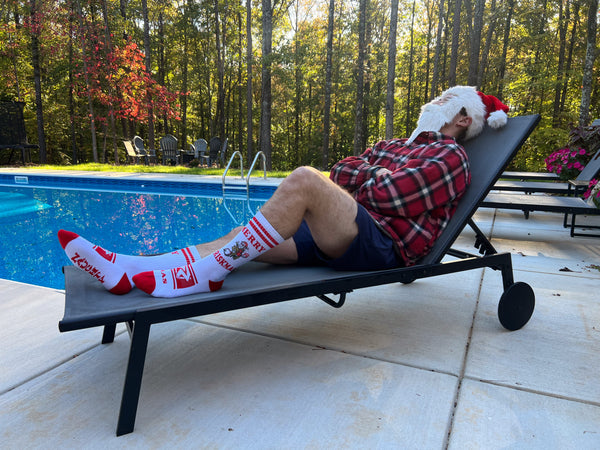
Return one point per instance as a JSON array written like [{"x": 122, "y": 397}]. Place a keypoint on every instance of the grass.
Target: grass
[{"x": 138, "y": 168}]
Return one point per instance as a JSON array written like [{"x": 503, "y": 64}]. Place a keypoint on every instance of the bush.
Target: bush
[{"x": 567, "y": 162}]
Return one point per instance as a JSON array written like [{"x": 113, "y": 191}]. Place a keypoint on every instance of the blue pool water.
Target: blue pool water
[{"x": 127, "y": 222}]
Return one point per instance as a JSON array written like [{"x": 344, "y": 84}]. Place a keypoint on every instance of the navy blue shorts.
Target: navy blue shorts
[{"x": 370, "y": 250}]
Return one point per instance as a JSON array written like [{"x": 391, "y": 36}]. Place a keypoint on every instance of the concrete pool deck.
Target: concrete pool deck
[{"x": 425, "y": 365}]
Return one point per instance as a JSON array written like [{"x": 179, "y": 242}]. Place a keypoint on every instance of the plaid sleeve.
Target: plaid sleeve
[
  {"x": 352, "y": 172},
  {"x": 438, "y": 176}
]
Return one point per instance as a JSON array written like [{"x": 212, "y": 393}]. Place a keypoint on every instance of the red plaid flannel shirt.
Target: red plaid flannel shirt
[{"x": 414, "y": 201}]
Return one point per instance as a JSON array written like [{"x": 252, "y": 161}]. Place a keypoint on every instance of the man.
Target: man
[{"x": 383, "y": 209}]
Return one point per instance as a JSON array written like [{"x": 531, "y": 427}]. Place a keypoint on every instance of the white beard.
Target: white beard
[{"x": 434, "y": 116}]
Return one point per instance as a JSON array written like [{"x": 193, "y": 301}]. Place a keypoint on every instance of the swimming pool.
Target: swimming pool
[{"x": 126, "y": 216}]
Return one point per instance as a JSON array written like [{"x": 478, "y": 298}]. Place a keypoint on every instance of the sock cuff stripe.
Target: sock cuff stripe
[
  {"x": 266, "y": 225},
  {"x": 188, "y": 254},
  {"x": 263, "y": 233}
]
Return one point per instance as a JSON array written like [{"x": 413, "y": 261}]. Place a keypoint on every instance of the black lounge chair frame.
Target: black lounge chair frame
[
  {"x": 12, "y": 130},
  {"x": 88, "y": 304},
  {"x": 573, "y": 187},
  {"x": 568, "y": 206}
]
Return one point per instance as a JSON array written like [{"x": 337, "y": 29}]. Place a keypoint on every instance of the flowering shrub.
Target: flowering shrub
[
  {"x": 567, "y": 162},
  {"x": 592, "y": 195}
]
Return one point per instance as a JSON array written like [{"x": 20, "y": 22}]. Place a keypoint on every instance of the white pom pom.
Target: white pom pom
[{"x": 497, "y": 119}]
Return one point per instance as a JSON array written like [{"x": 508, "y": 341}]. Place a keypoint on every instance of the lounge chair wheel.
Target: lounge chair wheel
[{"x": 516, "y": 306}]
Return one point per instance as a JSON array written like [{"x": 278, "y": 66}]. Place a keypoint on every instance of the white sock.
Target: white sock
[
  {"x": 116, "y": 270},
  {"x": 208, "y": 274}
]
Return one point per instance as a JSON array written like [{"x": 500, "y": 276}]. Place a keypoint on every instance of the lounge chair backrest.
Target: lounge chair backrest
[
  {"x": 591, "y": 168},
  {"x": 139, "y": 145},
  {"x": 12, "y": 124},
  {"x": 200, "y": 146},
  {"x": 214, "y": 147},
  {"x": 489, "y": 155},
  {"x": 169, "y": 142},
  {"x": 130, "y": 150},
  {"x": 12, "y": 130}
]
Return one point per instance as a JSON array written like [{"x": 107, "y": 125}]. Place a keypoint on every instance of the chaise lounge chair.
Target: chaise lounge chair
[
  {"x": 568, "y": 206},
  {"x": 573, "y": 187},
  {"x": 88, "y": 304},
  {"x": 12, "y": 130}
]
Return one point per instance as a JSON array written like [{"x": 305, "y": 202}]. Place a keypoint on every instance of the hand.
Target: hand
[{"x": 382, "y": 171}]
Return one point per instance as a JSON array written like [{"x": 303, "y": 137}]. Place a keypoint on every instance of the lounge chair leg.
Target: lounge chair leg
[
  {"x": 109, "y": 333},
  {"x": 133, "y": 377}
]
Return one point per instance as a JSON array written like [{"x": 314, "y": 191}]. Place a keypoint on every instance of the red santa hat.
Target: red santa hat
[{"x": 480, "y": 107}]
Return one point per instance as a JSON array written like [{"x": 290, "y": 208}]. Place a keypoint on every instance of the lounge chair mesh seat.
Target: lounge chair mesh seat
[{"x": 88, "y": 304}]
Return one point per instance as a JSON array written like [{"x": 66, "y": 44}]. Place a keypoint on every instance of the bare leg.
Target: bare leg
[
  {"x": 329, "y": 211},
  {"x": 306, "y": 193}
]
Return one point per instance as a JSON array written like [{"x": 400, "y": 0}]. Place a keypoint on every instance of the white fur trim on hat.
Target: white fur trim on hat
[{"x": 453, "y": 100}]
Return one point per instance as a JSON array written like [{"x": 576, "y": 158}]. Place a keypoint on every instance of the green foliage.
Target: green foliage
[
  {"x": 184, "y": 60},
  {"x": 543, "y": 141}
]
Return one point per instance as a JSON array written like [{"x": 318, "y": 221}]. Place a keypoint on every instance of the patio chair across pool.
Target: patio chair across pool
[{"x": 88, "y": 304}]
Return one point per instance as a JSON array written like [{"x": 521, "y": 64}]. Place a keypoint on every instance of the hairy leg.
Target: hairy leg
[
  {"x": 305, "y": 194},
  {"x": 329, "y": 211}
]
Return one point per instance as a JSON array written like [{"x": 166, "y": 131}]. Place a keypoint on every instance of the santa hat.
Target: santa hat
[{"x": 480, "y": 107}]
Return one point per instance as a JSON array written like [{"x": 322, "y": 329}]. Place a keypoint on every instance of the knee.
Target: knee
[{"x": 304, "y": 176}]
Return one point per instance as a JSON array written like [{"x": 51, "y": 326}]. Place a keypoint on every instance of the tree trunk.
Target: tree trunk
[
  {"x": 438, "y": 51},
  {"x": 358, "y": 123},
  {"x": 297, "y": 88},
  {"x": 266, "y": 99},
  {"x": 475, "y": 46},
  {"x": 87, "y": 83},
  {"x": 148, "y": 62},
  {"x": 410, "y": 69},
  {"x": 240, "y": 86},
  {"x": 588, "y": 66},
  {"x": 570, "y": 54},
  {"x": 562, "y": 39},
  {"x": 250, "y": 132},
  {"x": 391, "y": 73},
  {"x": 37, "y": 77},
  {"x": 454, "y": 49},
  {"x": 220, "y": 114},
  {"x": 184, "y": 75},
  {"x": 502, "y": 70},
  {"x": 328, "y": 71},
  {"x": 488, "y": 43},
  {"x": 162, "y": 63},
  {"x": 111, "y": 109},
  {"x": 71, "y": 94}
]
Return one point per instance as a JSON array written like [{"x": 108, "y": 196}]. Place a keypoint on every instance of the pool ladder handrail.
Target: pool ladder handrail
[
  {"x": 264, "y": 164},
  {"x": 236, "y": 153}
]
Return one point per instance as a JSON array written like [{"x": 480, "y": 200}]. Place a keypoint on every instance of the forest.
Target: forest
[{"x": 305, "y": 81}]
